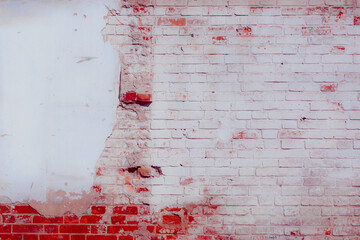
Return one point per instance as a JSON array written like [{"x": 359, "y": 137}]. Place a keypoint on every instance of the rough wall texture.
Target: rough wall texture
[{"x": 252, "y": 133}]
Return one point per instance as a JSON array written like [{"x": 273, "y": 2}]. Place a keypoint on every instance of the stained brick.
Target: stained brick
[
  {"x": 126, "y": 210},
  {"x": 90, "y": 219},
  {"x": 98, "y": 209},
  {"x": 5, "y": 209},
  {"x": 123, "y": 228},
  {"x": 41, "y": 219},
  {"x": 27, "y": 228}
]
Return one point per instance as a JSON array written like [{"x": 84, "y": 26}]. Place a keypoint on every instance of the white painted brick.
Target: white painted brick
[
  {"x": 246, "y": 118},
  {"x": 292, "y": 143},
  {"x": 166, "y": 190},
  {"x": 264, "y": 124},
  {"x": 171, "y": 2}
]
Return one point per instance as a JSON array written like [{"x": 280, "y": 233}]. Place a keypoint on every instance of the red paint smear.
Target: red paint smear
[
  {"x": 240, "y": 135},
  {"x": 220, "y": 38},
  {"x": 187, "y": 181},
  {"x": 97, "y": 189},
  {"x": 147, "y": 38},
  {"x": 245, "y": 135},
  {"x": 329, "y": 88},
  {"x": 98, "y": 172},
  {"x": 260, "y": 9},
  {"x": 356, "y": 20},
  {"x": 247, "y": 31},
  {"x": 196, "y": 21},
  {"x": 340, "y": 15},
  {"x": 171, "y": 10},
  {"x": 172, "y": 21},
  {"x": 145, "y": 30},
  {"x": 323, "y": 30},
  {"x": 139, "y": 190},
  {"x": 290, "y": 134},
  {"x": 317, "y": 10},
  {"x": 114, "y": 15},
  {"x": 340, "y": 48},
  {"x": 140, "y": 10}
]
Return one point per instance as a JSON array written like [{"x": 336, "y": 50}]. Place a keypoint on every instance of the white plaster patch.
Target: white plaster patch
[{"x": 58, "y": 83}]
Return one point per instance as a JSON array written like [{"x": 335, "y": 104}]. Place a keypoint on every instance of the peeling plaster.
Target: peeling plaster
[
  {"x": 58, "y": 95},
  {"x": 58, "y": 202}
]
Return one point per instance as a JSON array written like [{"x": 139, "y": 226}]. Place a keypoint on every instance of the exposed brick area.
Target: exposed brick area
[
  {"x": 252, "y": 132},
  {"x": 125, "y": 223}
]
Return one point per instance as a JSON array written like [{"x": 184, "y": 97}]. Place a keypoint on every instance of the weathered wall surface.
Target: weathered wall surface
[{"x": 252, "y": 133}]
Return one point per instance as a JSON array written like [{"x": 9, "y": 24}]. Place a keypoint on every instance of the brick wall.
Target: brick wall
[{"x": 252, "y": 133}]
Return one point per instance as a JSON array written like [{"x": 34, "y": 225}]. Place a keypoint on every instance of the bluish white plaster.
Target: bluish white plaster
[{"x": 56, "y": 110}]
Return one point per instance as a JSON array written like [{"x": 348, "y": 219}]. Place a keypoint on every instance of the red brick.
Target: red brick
[
  {"x": 31, "y": 237},
  {"x": 17, "y": 219},
  {"x": 24, "y": 209},
  {"x": 171, "y": 237},
  {"x": 120, "y": 229},
  {"x": 118, "y": 219},
  {"x": 150, "y": 228},
  {"x": 51, "y": 228},
  {"x": 125, "y": 238},
  {"x": 54, "y": 237},
  {"x": 5, "y": 209},
  {"x": 71, "y": 219},
  {"x": 202, "y": 237},
  {"x": 41, "y": 219},
  {"x": 129, "y": 96},
  {"x": 10, "y": 236},
  {"x": 90, "y": 219},
  {"x": 78, "y": 237},
  {"x": 98, "y": 209},
  {"x": 144, "y": 97},
  {"x": 5, "y": 228},
  {"x": 74, "y": 229},
  {"x": 28, "y": 229},
  {"x": 101, "y": 237},
  {"x": 171, "y": 219},
  {"x": 126, "y": 210},
  {"x": 98, "y": 229}
]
